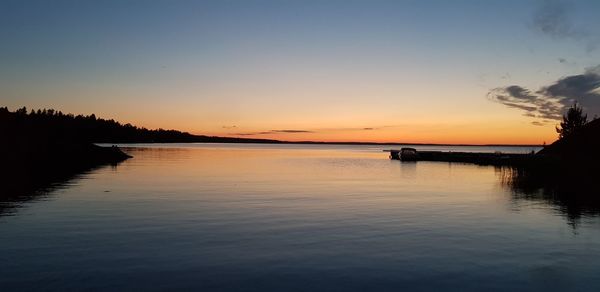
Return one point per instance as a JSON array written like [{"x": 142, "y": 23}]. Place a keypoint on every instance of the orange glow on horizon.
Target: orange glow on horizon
[
  {"x": 495, "y": 125},
  {"x": 526, "y": 135}
]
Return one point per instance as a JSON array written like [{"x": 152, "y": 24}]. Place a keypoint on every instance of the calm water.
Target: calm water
[{"x": 292, "y": 217}]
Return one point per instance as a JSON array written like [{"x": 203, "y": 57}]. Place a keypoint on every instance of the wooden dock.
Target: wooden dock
[{"x": 496, "y": 158}]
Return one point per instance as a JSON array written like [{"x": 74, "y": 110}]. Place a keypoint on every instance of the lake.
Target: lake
[{"x": 252, "y": 217}]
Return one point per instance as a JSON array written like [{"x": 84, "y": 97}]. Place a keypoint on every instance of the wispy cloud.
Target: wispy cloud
[
  {"x": 553, "y": 18},
  {"x": 321, "y": 130},
  {"x": 538, "y": 123},
  {"x": 290, "y": 131},
  {"x": 549, "y": 102},
  {"x": 349, "y": 129},
  {"x": 274, "y": 132}
]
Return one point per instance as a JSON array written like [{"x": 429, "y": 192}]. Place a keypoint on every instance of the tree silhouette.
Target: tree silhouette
[
  {"x": 49, "y": 125},
  {"x": 572, "y": 121}
]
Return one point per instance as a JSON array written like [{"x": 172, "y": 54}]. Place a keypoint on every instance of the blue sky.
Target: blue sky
[{"x": 206, "y": 66}]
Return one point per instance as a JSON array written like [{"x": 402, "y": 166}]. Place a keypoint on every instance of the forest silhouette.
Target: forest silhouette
[{"x": 50, "y": 124}]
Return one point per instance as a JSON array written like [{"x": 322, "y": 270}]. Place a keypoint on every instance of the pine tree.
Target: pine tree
[{"x": 572, "y": 121}]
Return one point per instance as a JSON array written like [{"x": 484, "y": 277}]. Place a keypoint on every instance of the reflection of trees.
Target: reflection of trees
[
  {"x": 43, "y": 149},
  {"x": 574, "y": 194},
  {"x": 18, "y": 189}
]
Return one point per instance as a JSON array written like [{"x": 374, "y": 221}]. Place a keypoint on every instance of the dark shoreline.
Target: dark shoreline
[{"x": 28, "y": 168}]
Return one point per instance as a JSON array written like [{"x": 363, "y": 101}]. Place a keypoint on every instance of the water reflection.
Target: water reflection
[
  {"x": 224, "y": 218},
  {"x": 574, "y": 196},
  {"x": 16, "y": 190}
]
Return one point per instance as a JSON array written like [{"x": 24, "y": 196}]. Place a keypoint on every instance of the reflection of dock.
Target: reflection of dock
[{"x": 497, "y": 158}]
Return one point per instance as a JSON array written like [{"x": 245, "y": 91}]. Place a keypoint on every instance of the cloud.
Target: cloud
[
  {"x": 576, "y": 86},
  {"x": 355, "y": 129},
  {"x": 274, "y": 132},
  {"x": 253, "y": 133},
  {"x": 295, "y": 131},
  {"x": 230, "y": 127},
  {"x": 538, "y": 123},
  {"x": 549, "y": 102},
  {"x": 290, "y": 131},
  {"x": 583, "y": 88},
  {"x": 520, "y": 93},
  {"x": 553, "y": 18}
]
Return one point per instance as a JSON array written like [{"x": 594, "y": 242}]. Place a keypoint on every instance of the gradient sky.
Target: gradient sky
[{"x": 405, "y": 71}]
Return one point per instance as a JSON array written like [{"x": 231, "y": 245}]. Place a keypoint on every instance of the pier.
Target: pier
[{"x": 497, "y": 158}]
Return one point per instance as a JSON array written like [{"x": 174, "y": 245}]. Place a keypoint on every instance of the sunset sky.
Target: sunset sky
[{"x": 386, "y": 71}]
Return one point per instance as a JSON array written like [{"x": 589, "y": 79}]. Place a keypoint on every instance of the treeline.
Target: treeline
[{"x": 50, "y": 124}]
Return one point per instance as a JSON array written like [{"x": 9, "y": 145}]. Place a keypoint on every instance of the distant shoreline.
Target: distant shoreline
[
  {"x": 278, "y": 142},
  {"x": 56, "y": 125}
]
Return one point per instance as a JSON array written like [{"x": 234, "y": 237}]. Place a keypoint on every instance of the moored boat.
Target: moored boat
[{"x": 409, "y": 154}]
